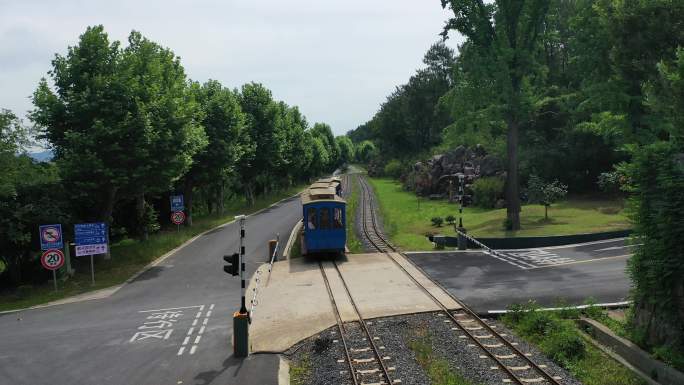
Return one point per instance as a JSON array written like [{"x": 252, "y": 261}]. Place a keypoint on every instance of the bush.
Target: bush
[
  {"x": 437, "y": 221},
  {"x": 393, "y": 169},
  {"x": 450, "y": 219},
  {"x": 486, "y": 191},
  {"x": 564, "y": 345}
]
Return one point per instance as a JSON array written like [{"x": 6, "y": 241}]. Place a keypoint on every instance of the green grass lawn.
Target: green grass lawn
[
  {"x": 407, "y": 217},
  {"x": 129, "y": 256}
]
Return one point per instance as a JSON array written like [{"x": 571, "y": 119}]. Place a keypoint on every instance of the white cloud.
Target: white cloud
[{"x": 336, "y": 60}]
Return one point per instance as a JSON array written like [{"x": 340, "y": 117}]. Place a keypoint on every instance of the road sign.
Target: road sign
[
  {"x": 51, "y": 237},
  {"x": 177, "y": 203},
  {"x": 52, "y": 259},
  {"x": 90, "y": 238},
  {"x": 177, "y": 217}
]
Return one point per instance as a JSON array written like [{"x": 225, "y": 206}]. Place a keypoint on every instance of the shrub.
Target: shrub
[
  {"x": 486, "y": 191},
  {"x": 450, "y": 219},
  {"x": 437, "y": 221},
  {"x": 393, "y": 169},
  {"x": 564, "y": 345}
]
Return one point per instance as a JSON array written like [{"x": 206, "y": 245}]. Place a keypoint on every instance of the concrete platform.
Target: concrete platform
[{"x": 294, "y": 303}]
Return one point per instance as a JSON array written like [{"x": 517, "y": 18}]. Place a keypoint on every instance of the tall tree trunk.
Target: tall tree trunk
[
  {"x": 188, "y": 187},
  {"x": 249, "y": 194},
  {"x": 512, "y": 180},
  {"x": 219, "y": 198},
  {"x": 108, "y": 205},
  {"x": 106, "y": 212},
  {"x": 140, "y": 215}
]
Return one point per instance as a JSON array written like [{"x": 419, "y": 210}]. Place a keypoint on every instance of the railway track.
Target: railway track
[
  {"x": 363, "y": 356},
  {"x": 516, "y": 365}
]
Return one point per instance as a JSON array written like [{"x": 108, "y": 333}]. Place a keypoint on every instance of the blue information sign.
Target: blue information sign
[
  {"x": 177, "y": 203},
  {"x": 90, "y": 238},
  {"x": 51, "y": 237}
]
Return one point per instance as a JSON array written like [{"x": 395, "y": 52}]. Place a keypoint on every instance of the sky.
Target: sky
[{"x": 335, "y": 59}]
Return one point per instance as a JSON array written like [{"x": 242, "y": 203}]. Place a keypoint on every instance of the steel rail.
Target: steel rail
[
  {"x": 368, "y": 198},
  {"x": 340, "y": 324}
]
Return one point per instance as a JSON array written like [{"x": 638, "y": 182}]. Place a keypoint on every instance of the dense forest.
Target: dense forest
[
  {"x": 586, "y": 92},
  {"x": 128, "y": 129}
]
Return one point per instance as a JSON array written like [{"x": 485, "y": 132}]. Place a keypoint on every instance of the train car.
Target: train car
[
  {"x": 334, "y": 181},
  {"x": 324, "y": 216}
]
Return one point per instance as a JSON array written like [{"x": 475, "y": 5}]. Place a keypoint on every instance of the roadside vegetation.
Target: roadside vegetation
[
  {"x": 128, "y": 257},
  {"x": 409, "y": 218},
  {"x": 556, "y": 334}
]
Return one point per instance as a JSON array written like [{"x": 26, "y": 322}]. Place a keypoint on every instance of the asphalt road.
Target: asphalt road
[
  {"x": 571, "y": 273},
  {"x": 129, "y": 338}
]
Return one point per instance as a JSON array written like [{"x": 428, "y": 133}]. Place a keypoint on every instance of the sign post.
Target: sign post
[
  {"x": 52, "y": 259},
  {"x": 91, "y": 239},
  {"x": 51, "y": 237},
  {"x": 177, "y": 217}
]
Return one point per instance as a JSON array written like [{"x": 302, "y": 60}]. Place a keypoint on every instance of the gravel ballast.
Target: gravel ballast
[{"x": 395, "y": 334}]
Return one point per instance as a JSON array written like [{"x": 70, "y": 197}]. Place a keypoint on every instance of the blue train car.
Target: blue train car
[{"x": 324, "y": 215}]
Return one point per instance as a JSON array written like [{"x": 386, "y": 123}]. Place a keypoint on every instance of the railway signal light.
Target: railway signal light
[{"x": 233, "y": 266}]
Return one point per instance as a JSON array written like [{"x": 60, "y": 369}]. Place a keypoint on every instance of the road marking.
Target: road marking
[
  {"x": 208, "y": 314},
  {"x": 192, "y": 349},
  {"x": 194, "y": 322},
  {"x": 173, "y": 308},
  {"x": 190, "y": 330},
  {"x": 199, "y": 313},
  {"x": 198, "y": 336},
  {"x": 620, "y": 247},
  {"x": 185, "y": 341},
  {"x": 201, "y": 330},
  {"x": 197, "y": 339},
  {"x": 605, "y": 305},
  {"x": 578, "y": 262},
  {"x": 180, "y": 351},
  {"x": 211, "y": 307},
  {"x": 205, "y": 321}
]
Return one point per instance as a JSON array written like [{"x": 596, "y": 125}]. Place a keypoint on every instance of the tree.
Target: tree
[
  {"x": 505, "y": 34},
  {"x": 545, "y": 193},
  {"x": 365, "y": 151},
  {"x": 13, "y": 139},
  {"x": 346, "y": 149},
  {"x": 84, "y": 122},
  {"x": 224, "y": 125},
  {"x": 324, "y": 132}
]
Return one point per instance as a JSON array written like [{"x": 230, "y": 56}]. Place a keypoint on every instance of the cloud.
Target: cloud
[{"x": 336, "y": 60}]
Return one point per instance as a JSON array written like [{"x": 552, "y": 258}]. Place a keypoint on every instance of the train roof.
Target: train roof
[{"x": 317, "y": 194}]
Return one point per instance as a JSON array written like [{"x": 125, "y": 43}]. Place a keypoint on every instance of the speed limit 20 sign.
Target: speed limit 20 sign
[{"x": 52, "y": 259}]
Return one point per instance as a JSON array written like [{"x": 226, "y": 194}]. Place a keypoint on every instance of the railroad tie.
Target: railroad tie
[
  {"x": 473, "y": 328},
  {"x": 492, "y": 345},
  {"x": 527, "y": 380},
  {"x": 484, "y": 336},
  {"x": 363, "y": 360}
]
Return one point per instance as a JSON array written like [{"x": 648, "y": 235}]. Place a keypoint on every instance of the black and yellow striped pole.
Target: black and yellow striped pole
[{"x": 241, "y": 318}]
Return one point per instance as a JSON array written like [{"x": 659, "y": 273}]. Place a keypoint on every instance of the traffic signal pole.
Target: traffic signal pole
[
  {"x": 241, "y": 318},
  {"x": 243, "y": 307}
]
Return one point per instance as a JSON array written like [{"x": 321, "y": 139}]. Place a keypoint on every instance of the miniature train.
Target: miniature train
[{"x": 324, "y": 218}]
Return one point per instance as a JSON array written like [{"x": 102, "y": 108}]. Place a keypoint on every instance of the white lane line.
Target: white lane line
[
  {"x": 185, "y": 341},
  {"x": 208, "y": 314},
  {"x": 201, "y": 307},
  {"x": 620, "y": 247},
  {"x": 205, "y": 321},
  {"x": 172, "y": 308},
  {"x": 211, "y": 307},
  {"x": 191, "y": 330},
  {"x": 201, "y": 330},
  {"x": 197, "y": 339},
  {"x": 584, "y": 261},
  {"x": 194, "y": 322},
  {"x": 192, "y": 349},
  {"x": 604, "y": 305},
  {"x": 181, "y": 350},
  {"x": 199, "y": 313}
]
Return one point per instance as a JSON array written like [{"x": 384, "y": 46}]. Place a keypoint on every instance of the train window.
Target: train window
[
  {"x": 337, "y": 218},
  {"x": 311, "y": 215},
  {"x": 325, "y": 218}
]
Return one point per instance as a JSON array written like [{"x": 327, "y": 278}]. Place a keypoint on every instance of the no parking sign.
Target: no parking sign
[{"x": 51, "y": 237}]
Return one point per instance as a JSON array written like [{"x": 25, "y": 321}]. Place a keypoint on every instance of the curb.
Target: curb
[
  {"x": 290, "y": 241},
  {"x": 109, "y": 291}
]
